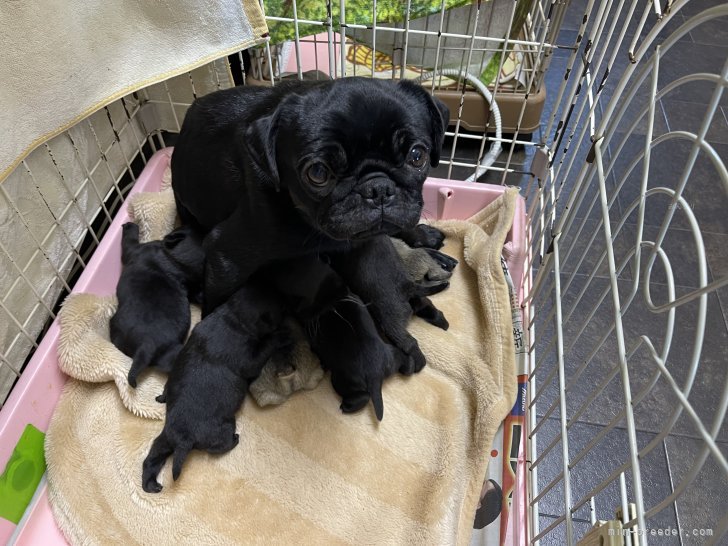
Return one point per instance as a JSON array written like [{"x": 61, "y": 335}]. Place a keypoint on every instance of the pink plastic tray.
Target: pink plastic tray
[{"x": 37, "y": 392}]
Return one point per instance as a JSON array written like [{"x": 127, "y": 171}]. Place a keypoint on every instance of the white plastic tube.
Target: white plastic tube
[{"x": 495, "y": 147}]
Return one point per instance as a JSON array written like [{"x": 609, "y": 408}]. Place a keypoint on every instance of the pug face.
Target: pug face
[{"x": 352, "y": 154}]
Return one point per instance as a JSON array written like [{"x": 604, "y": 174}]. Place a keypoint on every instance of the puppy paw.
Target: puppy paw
[
  {"x": 131, "y": 379},
  {"x": 130, "y": 228},
  {"x": 419, "y": 359},
  {"x": 151, "y": 486},
  {"x": 413, "y": 363},
  {"x": 446, "y": 262},
  {"x": 439, "y": 320},
  {"x": 162, "y": 398},
  {"x": 429, "y": 237},
  {"x": 354, "y": 402}
]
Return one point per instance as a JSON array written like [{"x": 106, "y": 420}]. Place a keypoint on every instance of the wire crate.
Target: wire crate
[{"x": 624, "y": 175}]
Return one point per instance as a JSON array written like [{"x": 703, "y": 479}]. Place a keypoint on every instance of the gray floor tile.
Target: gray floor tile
[
  {"x": 702, "y": 50},
  {"x": 574, "y": 15},
  {"x": 585, "y": 250},
  {"x": 589, "y": 337},
  {"x": 690, "y": 58},
  {"x": 557, "y": 535},
  {"x": 704, "y": 192},
  {"x": 682, "y": 253},
  {"x": 689, "y": 116},
  {"x": 713, "y": 32},
  {"x": 703, "y": 502},
  {"x": 716, "y": 247},
  {"x": 592, "y": 467},
  {"x": 696, "y": 6}
]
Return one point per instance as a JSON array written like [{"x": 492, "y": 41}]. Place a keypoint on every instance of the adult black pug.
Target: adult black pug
[{"x": 303, "y": 168}]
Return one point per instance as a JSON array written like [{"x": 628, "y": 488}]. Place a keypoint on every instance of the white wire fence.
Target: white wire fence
[{"x": 623, "y": 371}]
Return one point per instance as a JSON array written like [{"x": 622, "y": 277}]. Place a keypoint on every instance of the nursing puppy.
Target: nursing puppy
[
  {"x": 157, "y": 281},
  {"x": 302, "y": 168},
  {"x": 343, "y": 333},
  {"x": 208, "y": 383},
  {"x": 377, "y": 275},
  {"x": 340, "y": 330},
  {"x": 349, "y": 345}
]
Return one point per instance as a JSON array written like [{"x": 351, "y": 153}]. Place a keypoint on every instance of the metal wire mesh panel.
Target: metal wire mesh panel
[
  {"x": 628, "y": 332},
  {"x": 456, "y": 48},
  {"x": 57, "y": 205}
]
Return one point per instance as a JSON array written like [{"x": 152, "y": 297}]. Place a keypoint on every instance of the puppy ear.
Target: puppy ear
[
  {"x": 440, "y": 120},
  {"x": 172, "y": 239},
  {"x": 439, "y": 117},
  {"x": 260, "y": 142}
]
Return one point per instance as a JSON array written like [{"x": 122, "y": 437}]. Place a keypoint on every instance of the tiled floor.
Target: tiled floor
[
  {"x": 673, "y": 451},
  {"x": 704, "y": 501}
]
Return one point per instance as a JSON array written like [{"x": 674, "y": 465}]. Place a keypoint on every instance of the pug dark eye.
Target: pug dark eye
[
  {"x": 417, "y": 157},
  {"x": 318, "y": 174}
]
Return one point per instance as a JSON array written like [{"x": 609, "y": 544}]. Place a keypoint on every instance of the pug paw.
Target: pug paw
[
  {"x": 446, "y": 262},
  {"x": 414, "y": 363},
  {"x": 430, "y": 237},
  {"x": 421, "y": 236}
]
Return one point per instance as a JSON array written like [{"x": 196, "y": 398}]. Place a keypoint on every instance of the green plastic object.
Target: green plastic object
[{"x": 22, "y": 474}]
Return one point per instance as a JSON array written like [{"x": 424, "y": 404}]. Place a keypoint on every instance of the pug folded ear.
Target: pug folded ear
[
  {"x": 173, "y": 238},
  {"x": 439, "y": 117},
  {"x": 260, "y": 142}
]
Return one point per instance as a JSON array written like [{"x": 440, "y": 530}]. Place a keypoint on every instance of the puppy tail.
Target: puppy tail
[
  {"x": 375, "y": 391},
  {"x": 180, "y": 454},
  {"x": 142, "y": 358}
]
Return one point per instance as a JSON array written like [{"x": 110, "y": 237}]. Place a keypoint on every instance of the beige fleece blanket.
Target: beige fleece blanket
[
  {"x": 304, "y": 473},
  {"x": 61, "y": 60}
]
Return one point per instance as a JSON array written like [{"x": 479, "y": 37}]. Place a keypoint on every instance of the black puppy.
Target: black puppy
[
  {"x": 341, "y": 329},
  {"x": 377, "y": 275},
  {"x": 301, "y": 168},
  {"x": 157, "y": 281},
  {"x": 210, "y": 379},
  {"x": 348, "y": 343}
]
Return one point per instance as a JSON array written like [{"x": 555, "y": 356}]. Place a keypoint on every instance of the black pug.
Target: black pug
[
  {"x": 377, "y": 275},
  {"x": 341, "y": 329},
  {"x": 348, "y": 344},
  {"x": 209, "y": 381},
  {"x": 302, "y": 168},
  {"x": 158, "y": 280}
]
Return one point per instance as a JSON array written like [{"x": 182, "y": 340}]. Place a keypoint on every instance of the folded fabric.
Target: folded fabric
[
  {"x": 64, "y": 59},
  {"x": 303, "y": 471}
]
